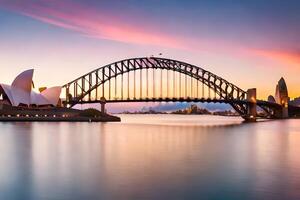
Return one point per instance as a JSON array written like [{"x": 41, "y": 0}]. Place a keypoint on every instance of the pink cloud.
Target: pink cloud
[
  {"x": 89, "y": 22},
  {"x": 96, "y": 23}
]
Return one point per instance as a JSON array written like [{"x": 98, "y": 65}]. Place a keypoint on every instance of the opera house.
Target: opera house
[
  {"x": 19, "y": 102},
  {"x": 20, "y": 93}
]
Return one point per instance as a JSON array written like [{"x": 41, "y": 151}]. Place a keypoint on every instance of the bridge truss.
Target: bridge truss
[{"x": 153, "y": 79}]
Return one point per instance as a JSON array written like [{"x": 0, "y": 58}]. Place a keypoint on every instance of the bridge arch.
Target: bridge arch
[
  {"x": 84, "y": 85},
  {"x": 81, "y": 90}
]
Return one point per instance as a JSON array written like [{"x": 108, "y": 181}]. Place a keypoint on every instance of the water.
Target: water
[{"x": 151, "y": 157}]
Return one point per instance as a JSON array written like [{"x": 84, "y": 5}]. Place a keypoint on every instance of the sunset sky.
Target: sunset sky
[{"x": 249, "y": 43}]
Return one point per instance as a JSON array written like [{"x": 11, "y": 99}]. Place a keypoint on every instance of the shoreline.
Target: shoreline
[
  {"x": 173, "y": 114},
  {"x": 60, "y": 119}
]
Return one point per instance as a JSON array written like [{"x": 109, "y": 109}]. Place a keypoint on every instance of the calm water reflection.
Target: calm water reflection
[{"x": 151, "y": 157}]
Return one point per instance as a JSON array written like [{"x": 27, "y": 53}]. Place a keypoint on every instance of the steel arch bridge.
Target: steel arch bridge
[{"x": 153, "y": 79}]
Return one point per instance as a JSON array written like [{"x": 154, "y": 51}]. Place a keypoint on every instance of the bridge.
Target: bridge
[{"x": 154, "y": 79}]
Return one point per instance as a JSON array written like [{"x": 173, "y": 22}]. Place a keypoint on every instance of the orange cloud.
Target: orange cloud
[{"x": 288, "y": 58}]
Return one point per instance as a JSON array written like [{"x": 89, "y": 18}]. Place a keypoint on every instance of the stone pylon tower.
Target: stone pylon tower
[{"x": 251, "y": 98}]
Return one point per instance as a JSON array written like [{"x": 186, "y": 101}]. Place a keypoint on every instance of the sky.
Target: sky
[{"x": 249, "y": 43}]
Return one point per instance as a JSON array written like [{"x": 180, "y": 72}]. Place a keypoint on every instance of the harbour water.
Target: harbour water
[{"x": 151, "y": 157}]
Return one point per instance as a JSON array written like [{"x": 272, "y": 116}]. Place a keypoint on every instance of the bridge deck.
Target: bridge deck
[{"x": 195, "y": 100}]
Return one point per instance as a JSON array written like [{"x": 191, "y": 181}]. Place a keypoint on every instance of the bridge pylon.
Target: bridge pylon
[
  {"x": 102, "y": 103},
  {"x": 251, "y": 107},
  {"x": 282, "y": 112}
]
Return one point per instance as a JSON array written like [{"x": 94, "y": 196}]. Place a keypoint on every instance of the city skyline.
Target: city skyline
[{"x": 251, "y": 44}]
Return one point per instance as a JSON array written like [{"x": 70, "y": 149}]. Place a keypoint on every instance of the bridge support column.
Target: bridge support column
[
  {"x": 285, "y": 110},
  {"x": 282, "y": 113},
  {"x": 251, "y": 98},
  {"x": 102, "y": 103}
]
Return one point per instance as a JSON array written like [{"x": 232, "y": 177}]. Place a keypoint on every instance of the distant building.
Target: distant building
[
  {"x": 20, "y": 93},
  {"x": 281, "y": 93},
  {"x": 295, "y": 102},
  {"x": 281, "y": 97},
  {"x": 271, "y": 99},
  {"x": 193, "y": 109}
]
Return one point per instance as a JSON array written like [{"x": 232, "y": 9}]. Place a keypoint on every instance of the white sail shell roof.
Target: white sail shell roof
[
  {"x": 38, "y": 99},
  {"x": 23, "y": 81},
  {"x": 20, "y": 92},
  {"x": 20, "y": 96},
  {"x": 7, "y": 90},
  {"x": 52, "y": 95}
]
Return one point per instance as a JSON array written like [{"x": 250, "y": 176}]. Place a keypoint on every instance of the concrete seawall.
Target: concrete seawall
[
  {"x": 60, "y": 119},
  {"x": 9, "y": 113}
]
